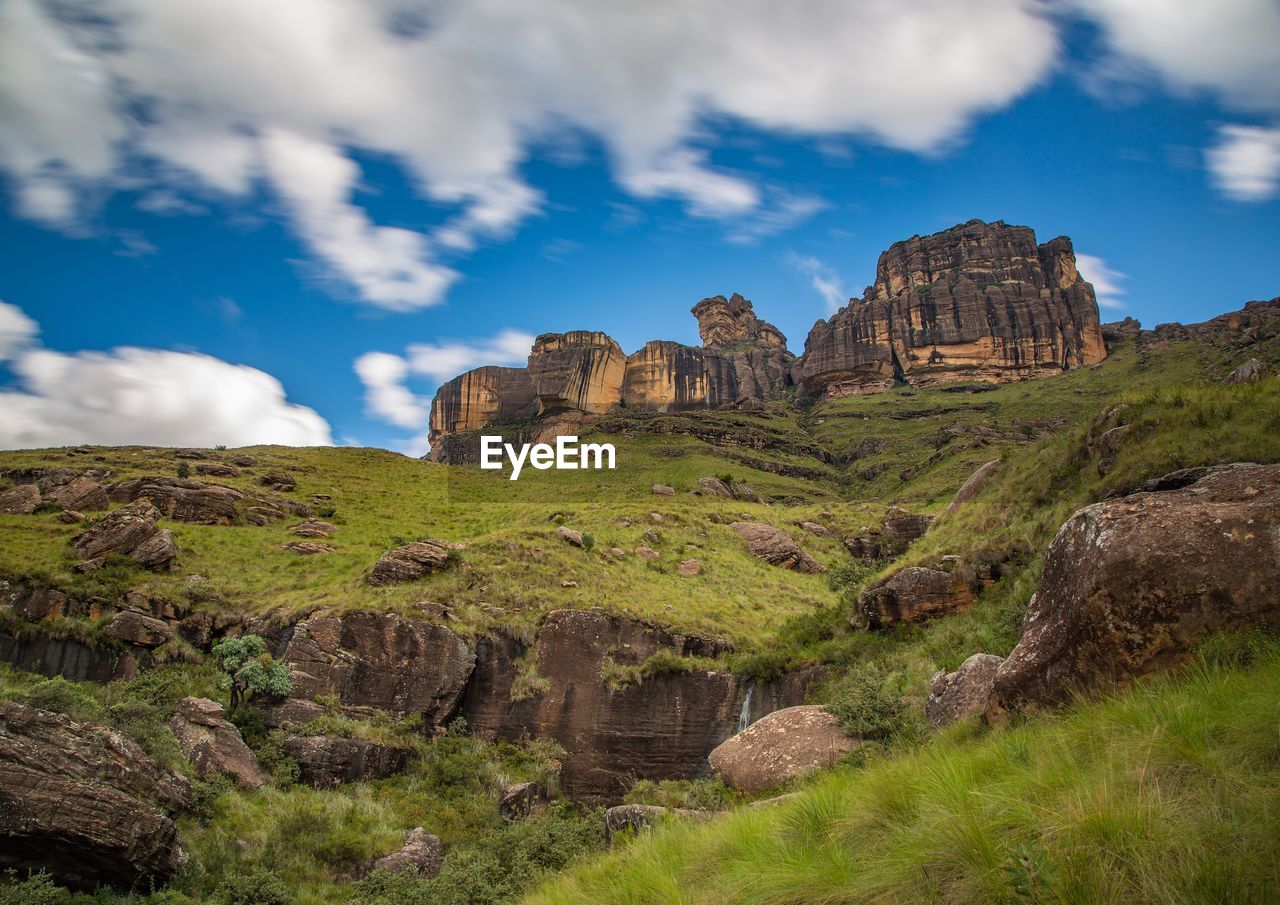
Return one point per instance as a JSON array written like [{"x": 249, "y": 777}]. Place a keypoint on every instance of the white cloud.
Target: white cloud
[
  {"x": 1106, "y": 282},
  {"x": 239, "y": 91},
  {"x": 1245, "y": 163},
  {"x": 385, "y": 394},
  {"x": 141, "y": 396},
  {"x": 823, "y": 278},
  {"x": 447, "y": 360}
]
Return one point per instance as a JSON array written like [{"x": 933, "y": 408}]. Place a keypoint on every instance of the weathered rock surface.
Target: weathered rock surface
[
  {"x": 663, "y": 490},
  {"x": 314, "y": 528},
  {"x": 899, "y": 529},
  {"x": 973, "y": 486},
  {"x": 409, "y": 562},
  {"x": 776, "y": 547},
  {"x": 84, "y": 803},
  {"x": 665, "y": 377},
  {"x": 782, "y": 746},
  {"x": 82, "y": 494},
  {"x": 569, "y": 536},
  {"x": 745, "y": 358},
  {"x": 183, "y": 500},
  {"x": 956, "y": 695},
  {"x": 213, "y": 744},
  {"x": 913, "y": 595},
  {"x": 1132, "y": 585},
  {"x": 215, "y": 469},
  {"x": 979, "y": 301},
  {"x": 1248, "y": 372},
  {"x": 581, "y": 370},
  {"x": 131, "y": 531},
  {"x": 325, "y": 761},
  {"x": 379, "y": 660},
  {"x": 635, "y": 818},
  {"x": 479, "y": 397},
  {"x": 22, "y": 499},
  {"x": 422, "y": 853},
  {"x": 515, "y": 802},
  {"x": 1118, "y": 331},
  {"x": 138, "y": 629},
  {"x": 308, "y": 548},
  {"x": 280, "y": 482}
]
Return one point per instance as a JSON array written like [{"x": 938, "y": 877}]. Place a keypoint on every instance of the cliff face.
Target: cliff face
[
  {"x": 666, "y": 376},
  {"x": 580, "y": 370},
  {"x": 980, "y": 301},
  {"x": 746, "y": 358},
  {"x": 470, "y": 401}
]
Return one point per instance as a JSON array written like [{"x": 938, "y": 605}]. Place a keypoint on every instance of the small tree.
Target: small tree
[{"x": 249, "y": 670}]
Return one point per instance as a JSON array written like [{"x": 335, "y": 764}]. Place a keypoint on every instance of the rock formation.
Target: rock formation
[
  {"x": 470, "y": 401},
  {"x": 409, "y": 562},
  {"x": 746, "y": 358},
  {"x": 581, "y": 370},
  {"x": 84, "y": 803},
  {"x": 913, "y": 595},
  {"x": 325, "y": 761},
  {"x": 213, "y": 744},
  {"x": 1132, "y": 585},
  {"x": 422, "y": 853},
  {"x": 776, "y": 547},
  {"x": 955, "y": 695},
  {"x": 131, "y": 531},
  {"x": 979, "y": 301},
  {"x": 782, "y": 746},
  {"x": 666, "y": 377}
]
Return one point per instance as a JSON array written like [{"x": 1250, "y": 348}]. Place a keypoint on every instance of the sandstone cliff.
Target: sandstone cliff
[
  {"x": 479, "y": 397},
  {"x": 980, "y": 301},
  {"x": 580, "y": 370}
]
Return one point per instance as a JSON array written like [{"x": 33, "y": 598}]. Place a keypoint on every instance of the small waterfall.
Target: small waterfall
[{"x": 744, "y": 717}]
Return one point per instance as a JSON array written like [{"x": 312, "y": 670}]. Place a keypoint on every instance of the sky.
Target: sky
[{"x": 288, "y": 221}]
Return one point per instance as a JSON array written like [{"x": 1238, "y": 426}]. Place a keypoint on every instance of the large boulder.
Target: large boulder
[
  {"x": 325, "y": 761},
  {"x": 183, "y": 500},
  {"x": 775, "y": 547},
  {"x": 409, "y": 562},
  {"x": 21, "y": 499},
  {"x": 422, "y": 853},
  {"x": 80, "y": 494},
  {"x": 139, "y": 629},
  {"x": 83, "y": 802},
  {"x": 956, "y": 695},
  {"x": 1134, "y": 584},
  {"x": 780, "y": 747},
  {"x": 913, "y": 595},
  {"x": 973, "y": 486},
  {"x": 213, "y": 744},
  {"x": 132, "y": 531}
]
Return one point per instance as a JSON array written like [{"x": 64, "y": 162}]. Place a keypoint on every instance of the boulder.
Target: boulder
[
  {"x": 409, "y": 562},
  {"x": 899, "y": 529},
  {"x": 307, "y": 548},
  {"x": 1248, "y": 372},
  {"x": 1134, "y": 584},
  {"x": 22, "y": 499},
  {"x": 515, "y": 802},
  {"x": 715, "y": 487},
  {"x": 780, "y": 747},
  {"x": 244, "y": 461},
  {"x": 956, "y": 695},
  {"x": 131, "y": 531},
  {"x": 648, "y": 553},
  {"x": 569, "y": 536},
  {"x": 863, "y": 547},
  {"x": 68, "y": 517},
  {"x": 82, "y": 493},
  {"x": 664, "y": 490},
  {"x": 215, "y": 469},
  {"x": 325, "y": 761},
  {"x": 688, "y": 568},
  {"x": 83, "y": 802},
  {"x": 214, "y": 745},
  {"x": 775, "y": 547},
  {"x": 973, "y": 486},
  {"x": 1118, "y": 331},
  {"x": 816, "y": 529},
  {"x": 421, "y": 853},
  {"x": 183, "y": 500},
  {"x": 745, "y": 358},
  {"x": 138, "y": 629},
  {"x": 187, "y": 453},
  {"x": 635, "y": 818},
  {"x": 314, "y": 528},
  {"x": 281, "y": 482},
  {"x": 913, "y": 595}
]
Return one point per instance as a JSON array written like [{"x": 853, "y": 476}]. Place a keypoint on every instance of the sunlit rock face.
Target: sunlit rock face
[
  {"x": 582, "y": 370},
  {"x": 980, "y": 301},
  {"x": 665, "y": 377},
  {"x": 745, "y": 357},
  {"x": 479, "y": 397}
]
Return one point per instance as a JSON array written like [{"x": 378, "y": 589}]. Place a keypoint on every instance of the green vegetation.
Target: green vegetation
[{"x": 248, "y": 669}]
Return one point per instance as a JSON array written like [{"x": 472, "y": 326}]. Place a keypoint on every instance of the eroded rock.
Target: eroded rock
[
  {"x": 422, "y": 853},
  {"x": 913, "y": 595},
  {"x": 781, "y": 746},
  {"x": 213, "y": 744},
  {"x": 325, "y": 761},
  {"x": 22, "y": 499},
  {"x": 131, "y": 531},
  {"x": 775, "y": 547},
  {"x": 410, "y": 562},
  {"x": 956, "y": 695}
]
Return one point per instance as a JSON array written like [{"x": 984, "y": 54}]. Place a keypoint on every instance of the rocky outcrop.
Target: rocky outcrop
[
  {"x": 379, "y": 661},
  {"x": 472, "y": 400},
  {"x": 214, "y": 745},
  {"x": 22, "y": 499},
  {"x": 913, "y": 595},
  {"x": 896, "y": 532},
  {"x": 1248, "y": 372},
  {"x": 665, "y": 377},
  {"x": 783, "y": 746},
  {"x": 409, "y": 562},
  {"x": 1132, "y": 585},
  {"x": 83, "y": 802},
  {"x": 80, "y": 494},
  {"x": 130, "y": 531},
  {"x": 183, "y": 500},
  {"x": 139, "y": 629},
  {"x": 581, "y": 370},
  {"x": 325, "y": 761},
  {"x": 422, "y": 853},
  {"x": 745, "y": 357},
  {"x": 956, "y": 695},
  {"x": 979, "y": 302},
  {"x": 973, "y": 486},
  {"x": 1118, "y": 331},
  {"x": 636, "y": 818},
  {"x": 775, "y": 547}
]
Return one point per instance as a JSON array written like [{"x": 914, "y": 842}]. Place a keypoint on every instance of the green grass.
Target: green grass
[{"x": 1169, "y": 792}]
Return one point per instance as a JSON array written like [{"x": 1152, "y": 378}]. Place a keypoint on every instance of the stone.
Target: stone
[
  {"x": 422, "y": 853},
  {"x": 479, "y": 397},
  {"x": 652, "y": 536},
  {"x": 1248, "y": 372},
  {"x": 775, "y": 547},
  {"x": 978, "y": 302},
  {"x": 325, "y": 761},
  {"x": 569, "y": 536},
  {"x": 580, "y": 370},
  {"x": 863, "y": 547},
  {"x": 138, "y": 629},
  {"x": 190, "y": 454},
  {"x": 83, "y": 802},
  {"x": 815, "y": 529},
  {"x": 131, "y": 531},
  {"x": 515, "y": 802},
  {"x": 648, "y": 553},
  {"x": 664, "y": 490},
  {"x": 279, "y": 482},
  {"x": 314, "y": 528},
  {"x": 1105, "y": 447},
  {"x": 1132, "y": 585},
  {"x": 215, "y": 469},
  {"x": 636, "y": 818},
  {"x": 617, "y": 552},
  {"x": 213, "y": 744},
  {"x": 665, "y": 377},
  {"x": 382, "y": 661},
  {"x": 689, "y": 568},
  {"x": 244, "y": 461},
  {"x": 409, "y": 562},
  {"x": 973, "y": 485},
  {"x": 308, "y": 548},
  {"x": 81, "y": 493},
  {"x": 183, "y": 500},
  {"x": 781, "y": 746},
  {"x": 899, "y": 529},
  {"x": 22, "y": 499},
  {"x": 956, "y": 695},
  {"x": 746, "y": 359},
  {"x": 715, "y": 487},
  {"x": 913, "y": 595},
  {"x": 68, "y": 517},
  {"x": 1118, "y": 331}
]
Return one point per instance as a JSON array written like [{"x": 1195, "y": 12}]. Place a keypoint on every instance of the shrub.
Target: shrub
[
  {"x": 262, "y": 887},
  {"x": 36, "y": 889},
  {"x": 60, "y": 696},
  {"x": 249, "y": 669},
  {"x": 866, "y": 709},
  {"x": 588, "y": 541},
  {"x": 184, "y": 470}
]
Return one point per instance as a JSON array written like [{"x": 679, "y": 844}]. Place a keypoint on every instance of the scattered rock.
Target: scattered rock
[
  {"x": 314, "y": 528},
  {"x": 816, "y": 529},
  {"x": 664, "y": 490},
  {"x": 715, "y": 487},
  {"x": 308, "y": 548},
  {"x": 569, "y": 536},
  {"x": 568, "y": 583},
  {"x": 636, "y": 818},
  {"x": 190, "y": 454},
  {"x": 138, "y": 629},
  {"x": 1134, "y": 584},
  {"x": 775, "y": 547},
  {"x": 22, "y": 499},
  {"x": 780, "y": 747},
  {"x": 81, "y": 493},
  {"x": 83, "y": 802},
  {"x": 652, "y": 536},
  {"x": 214, "y": 745},
  {"x": 422, "y": 853},
  {"x": 410, "y": 563},
  {"x": 1248, "y": 372},
  {"x": 913, "y": 595},
  {"x": 973, "y": 486},
  {"x": 899, "y": 529},
  {"x": 955, "y": 695},
  {"x": 516, "y": 801},
  {"x": 325, "y": 760},
  {"x": 648, "y": 553},
  {"x": 864, "y": 547},
  {"x": 279, "y": 482},
  {"x": 244, "y": 461},
  {"x": 1107, "y": 446},
  {"x": 1116, "y": 331},
  {"x": 617, "y": 553},
  {"x": 131, "y": 530},
  {"x": 689, "y": 568},
  {"x": 183, "y": 500},
  {"x": 215, "y": 470},
  {"x": 68, "y": 517}
]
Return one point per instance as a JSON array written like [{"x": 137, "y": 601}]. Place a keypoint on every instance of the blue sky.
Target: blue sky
[{"x": 247, "y": 222}]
